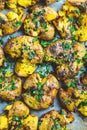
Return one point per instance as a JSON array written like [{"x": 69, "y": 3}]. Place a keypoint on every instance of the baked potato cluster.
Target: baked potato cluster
[
  {"x": 74, "y": 94},
  {"x": 17, "y": 116},
  {"x": 39, "y": 65},
  {"x": 71, "y": 22},
  {"x": 40, "y": 92},
  {"x": 67, "y": 55},
  {"x": 12, "y": 21}
]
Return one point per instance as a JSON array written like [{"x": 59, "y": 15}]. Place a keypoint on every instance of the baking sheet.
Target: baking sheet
[{"x": 80, "y": 123}]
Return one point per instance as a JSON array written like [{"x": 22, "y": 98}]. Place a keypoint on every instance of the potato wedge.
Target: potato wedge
[{"x": 40, "y": 92}]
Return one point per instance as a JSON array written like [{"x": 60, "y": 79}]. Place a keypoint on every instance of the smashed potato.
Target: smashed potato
[
  {"x": 75, "y": 94},
  {"x": 68, "y": 57},
  {"x": 71, "y": 23},
  {"x": 18, "y": 117},
  {"x": 24, "y": 67},
  {"x": 55, "y": 120},
  {"x": 26, "y": 47},
  {"x": 37, "y": 23},
  {"x": 40, "y": 92},
  {"x": 10, "y": 87},
  {"x": 78, "y": 2},
  {"x": 12, "y": 22},
  {"x": 23, "y": 3}
]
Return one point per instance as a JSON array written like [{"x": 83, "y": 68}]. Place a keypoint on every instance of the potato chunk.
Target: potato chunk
[{"x": 40, "y": 92}]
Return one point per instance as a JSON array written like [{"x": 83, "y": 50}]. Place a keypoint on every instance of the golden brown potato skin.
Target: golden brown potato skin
[
  {"x": 10, "y": 88},
  {"x": 71, "y": 23},
  {"x": 67, "y": 55},
  {"x": 40, "y": 92},
  {"x": 48, "y": 2},
  {"x": 37, "y": 23},
  {"x": 47, "y": 121},
  {"x": 77, "y": 2},
  {"x": 2, "y": 58},
  {"x": 74, "y": 94},
  {"x": 19, "y": 117},
  {"x": 9, "y": 27},
  {"x": 26, "y": 47},
  {"x": 2, "y": 4}
]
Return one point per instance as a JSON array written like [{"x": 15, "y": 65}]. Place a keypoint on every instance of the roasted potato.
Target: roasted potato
[
  {"x": 23, "y": 3},
  {"x": 50, "y": 1},
  {"x": 2, "y": 4},
  {"x": 19, "y": 117},
  {"x": 40, "y": 92},
  {"x": 10, "y": 87},
  {"x": 13, "y": 21},
  {"x": 30, "y": 123},
  {"x": 37, "y": 23},
  {"x": 66, "y": 100},
  {"x": 24, "y": 67},
  {"x": 71, "y": 23},
  {"x": 74, "y": 94},
  {"x": 78, "y": 2},
  {"x": 3, "y": 122},
  {"x": 55, "y": 120},
  {"x": 67, "y": 56},
  {"x": 2, "y": 58},
  {"x": 82, "y": 108},
  {"x": 18, "y": 108},
  {"x": 26, "y": 47}
]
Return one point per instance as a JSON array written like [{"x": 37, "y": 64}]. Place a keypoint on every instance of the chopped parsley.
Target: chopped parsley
[
  {"x": 32, "y": 54},
  {"x": 18, "y": 23},
  {"x": 44, "y": 69}
]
